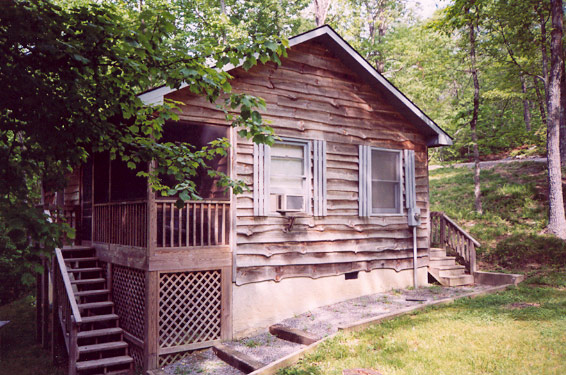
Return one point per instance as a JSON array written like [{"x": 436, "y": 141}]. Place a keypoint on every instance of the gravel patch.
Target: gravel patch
[
  {"x": 201, "y": 362},
  {"x": 264, "y": 347},
  {"x": 320, "y": 322}
]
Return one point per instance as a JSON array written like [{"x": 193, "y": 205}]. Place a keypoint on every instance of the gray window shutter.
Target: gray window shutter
[
  {"x": 364, "y": 180},
  {"x": 319, "y": 177},
  {"x": 410, "y": 188},
  {"x": 261, "y": 179}
]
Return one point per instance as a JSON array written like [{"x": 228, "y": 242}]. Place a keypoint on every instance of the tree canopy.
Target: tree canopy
[{"x": 71, "y": 77}]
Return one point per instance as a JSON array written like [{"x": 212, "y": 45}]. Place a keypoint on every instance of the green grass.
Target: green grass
[
  {"x": 21, "y": 355},
  {"x": 513, "y": 196},
  {"x": 520, "y": 331}
]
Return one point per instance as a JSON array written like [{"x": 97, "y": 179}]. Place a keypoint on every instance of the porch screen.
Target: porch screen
[{"x": 199, "y": 136}]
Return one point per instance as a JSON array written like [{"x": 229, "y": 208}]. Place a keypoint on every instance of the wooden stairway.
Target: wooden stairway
[
  {"x": 445, "y": 269},
  {"x": 100, "y": 347}
]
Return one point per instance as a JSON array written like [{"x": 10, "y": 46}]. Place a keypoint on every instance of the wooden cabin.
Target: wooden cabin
[{"x": 327, "y": 216}]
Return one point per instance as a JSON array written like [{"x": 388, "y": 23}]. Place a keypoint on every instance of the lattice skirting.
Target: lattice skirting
[
  {"x": 189, "y": 309},
  {"x": 128, "y": 294},
  {"x": 136, "y": 352}
]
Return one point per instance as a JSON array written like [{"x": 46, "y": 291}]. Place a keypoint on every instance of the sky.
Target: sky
[{"x": 427, "y": 7}]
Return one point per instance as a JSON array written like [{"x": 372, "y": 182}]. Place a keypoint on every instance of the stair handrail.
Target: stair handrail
[
  {"x": 457, "y": 239},
  {"x": 65, "y": 300},
  {"x": 68, "y": 287}
]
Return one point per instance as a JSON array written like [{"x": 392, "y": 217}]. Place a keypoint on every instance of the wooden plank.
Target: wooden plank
[
  {"x": 236, "y": 359},
  {"x": 257, "y": 274},
  {"x": 226, "y": 302},
  {"x": 292, "y": 334},
  {"x": 151, "y": 321}
]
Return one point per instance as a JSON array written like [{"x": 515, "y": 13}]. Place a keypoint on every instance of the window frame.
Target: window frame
[
  {"x": 399, "y": 210},
  {"x": 306, "y": 178}
]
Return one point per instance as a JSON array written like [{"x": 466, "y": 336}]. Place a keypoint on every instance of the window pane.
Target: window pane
[
  {"x": 385, "y": 197},
  {"x": 293, "y": 167},
  {"x": 284, "y": 182},
  {"x": 384, "y": 165},
  {"x": 287, "y": 150}
]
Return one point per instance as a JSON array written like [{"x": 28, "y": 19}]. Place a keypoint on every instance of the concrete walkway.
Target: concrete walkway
[{"x": 267, "y": 353}]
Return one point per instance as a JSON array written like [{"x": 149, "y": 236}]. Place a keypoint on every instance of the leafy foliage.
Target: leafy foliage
[{"x": 71, "y": 76}]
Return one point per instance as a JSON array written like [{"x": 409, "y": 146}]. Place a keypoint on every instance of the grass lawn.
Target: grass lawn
[
  {"x": 519, "y": 331},
  {"x": 21, "y": 355},
  {"x": 514, "y": 198}
]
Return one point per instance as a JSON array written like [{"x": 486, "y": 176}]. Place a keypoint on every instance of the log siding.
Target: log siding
[{"x": 314, "y": 96}]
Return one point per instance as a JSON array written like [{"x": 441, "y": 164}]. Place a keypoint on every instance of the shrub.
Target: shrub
[{"x": 522, "y": 249}]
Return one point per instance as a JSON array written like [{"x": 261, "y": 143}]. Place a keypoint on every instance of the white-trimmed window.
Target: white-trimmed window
[
  {"x": 288, "y": 176},
  {"x": 380, "y": 187},
  {"x": 385, "y": 181}
]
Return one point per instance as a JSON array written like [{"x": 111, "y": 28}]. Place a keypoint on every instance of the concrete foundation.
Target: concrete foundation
[{"x": 259, "y": 305}]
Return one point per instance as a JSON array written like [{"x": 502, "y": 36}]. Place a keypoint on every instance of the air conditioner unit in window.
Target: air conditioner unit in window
[{"x": 289, "y": 203}]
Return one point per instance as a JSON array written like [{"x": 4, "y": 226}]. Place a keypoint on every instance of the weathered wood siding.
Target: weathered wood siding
[{"x": 313, "y": 95}]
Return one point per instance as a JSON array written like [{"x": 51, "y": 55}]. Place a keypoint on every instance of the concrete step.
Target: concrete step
[
  {"x": 435, "y": 252},
  {"x": 104, "y": 362},
  {"x": 457, "y": 280},
  {"x": 444, "y": 261},
  {"x": 445, "y": 271},
  {"x": 102, "y": 347}
]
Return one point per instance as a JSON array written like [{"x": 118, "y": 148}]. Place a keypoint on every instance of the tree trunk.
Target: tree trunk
[
  {"x": 541, "y": 101},
  {"x": 544, "y": 55},
  {"x": 474, "y": 121},
  {"x": 556, "y": 219},
  {"x": 320, "y": 11},
  {"x": 562, "y": 113},
  {"x": 526, "y": 104}
]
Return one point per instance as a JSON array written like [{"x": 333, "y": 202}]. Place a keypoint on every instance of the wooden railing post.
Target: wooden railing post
[
  {"x": 73, "y": 352},
  {"x": 442, "y": 232}
]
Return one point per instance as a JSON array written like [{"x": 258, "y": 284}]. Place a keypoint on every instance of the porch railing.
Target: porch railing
[
  {"x": 445, "y": 233},
  {"x": 122, "y": 223},
  {"x": 199, "y": 223},
  {"x": 67, "y": 310}
]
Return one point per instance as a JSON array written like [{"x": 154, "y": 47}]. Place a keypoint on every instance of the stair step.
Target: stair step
[
  {"x": 95, "y": 305},
  {"x": 104, "y": 362},
  {"x": 99, "y": 318},
  {"x": 456, "y": 270},
  {"x": 437, "y": 253},
  {"x": 81, "y": 259},
  {"x": 443, "y": 261},
  {"x": 101, "y": 347},
  {"x": 76, "y": 248},
  {"x": 99, "y": 332},
  {"x": 86, "y": 293},
  {"x": 457, "y": 280},
  {"x": 90, "y": 269},
  {"x": 88, "y": 281}
]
